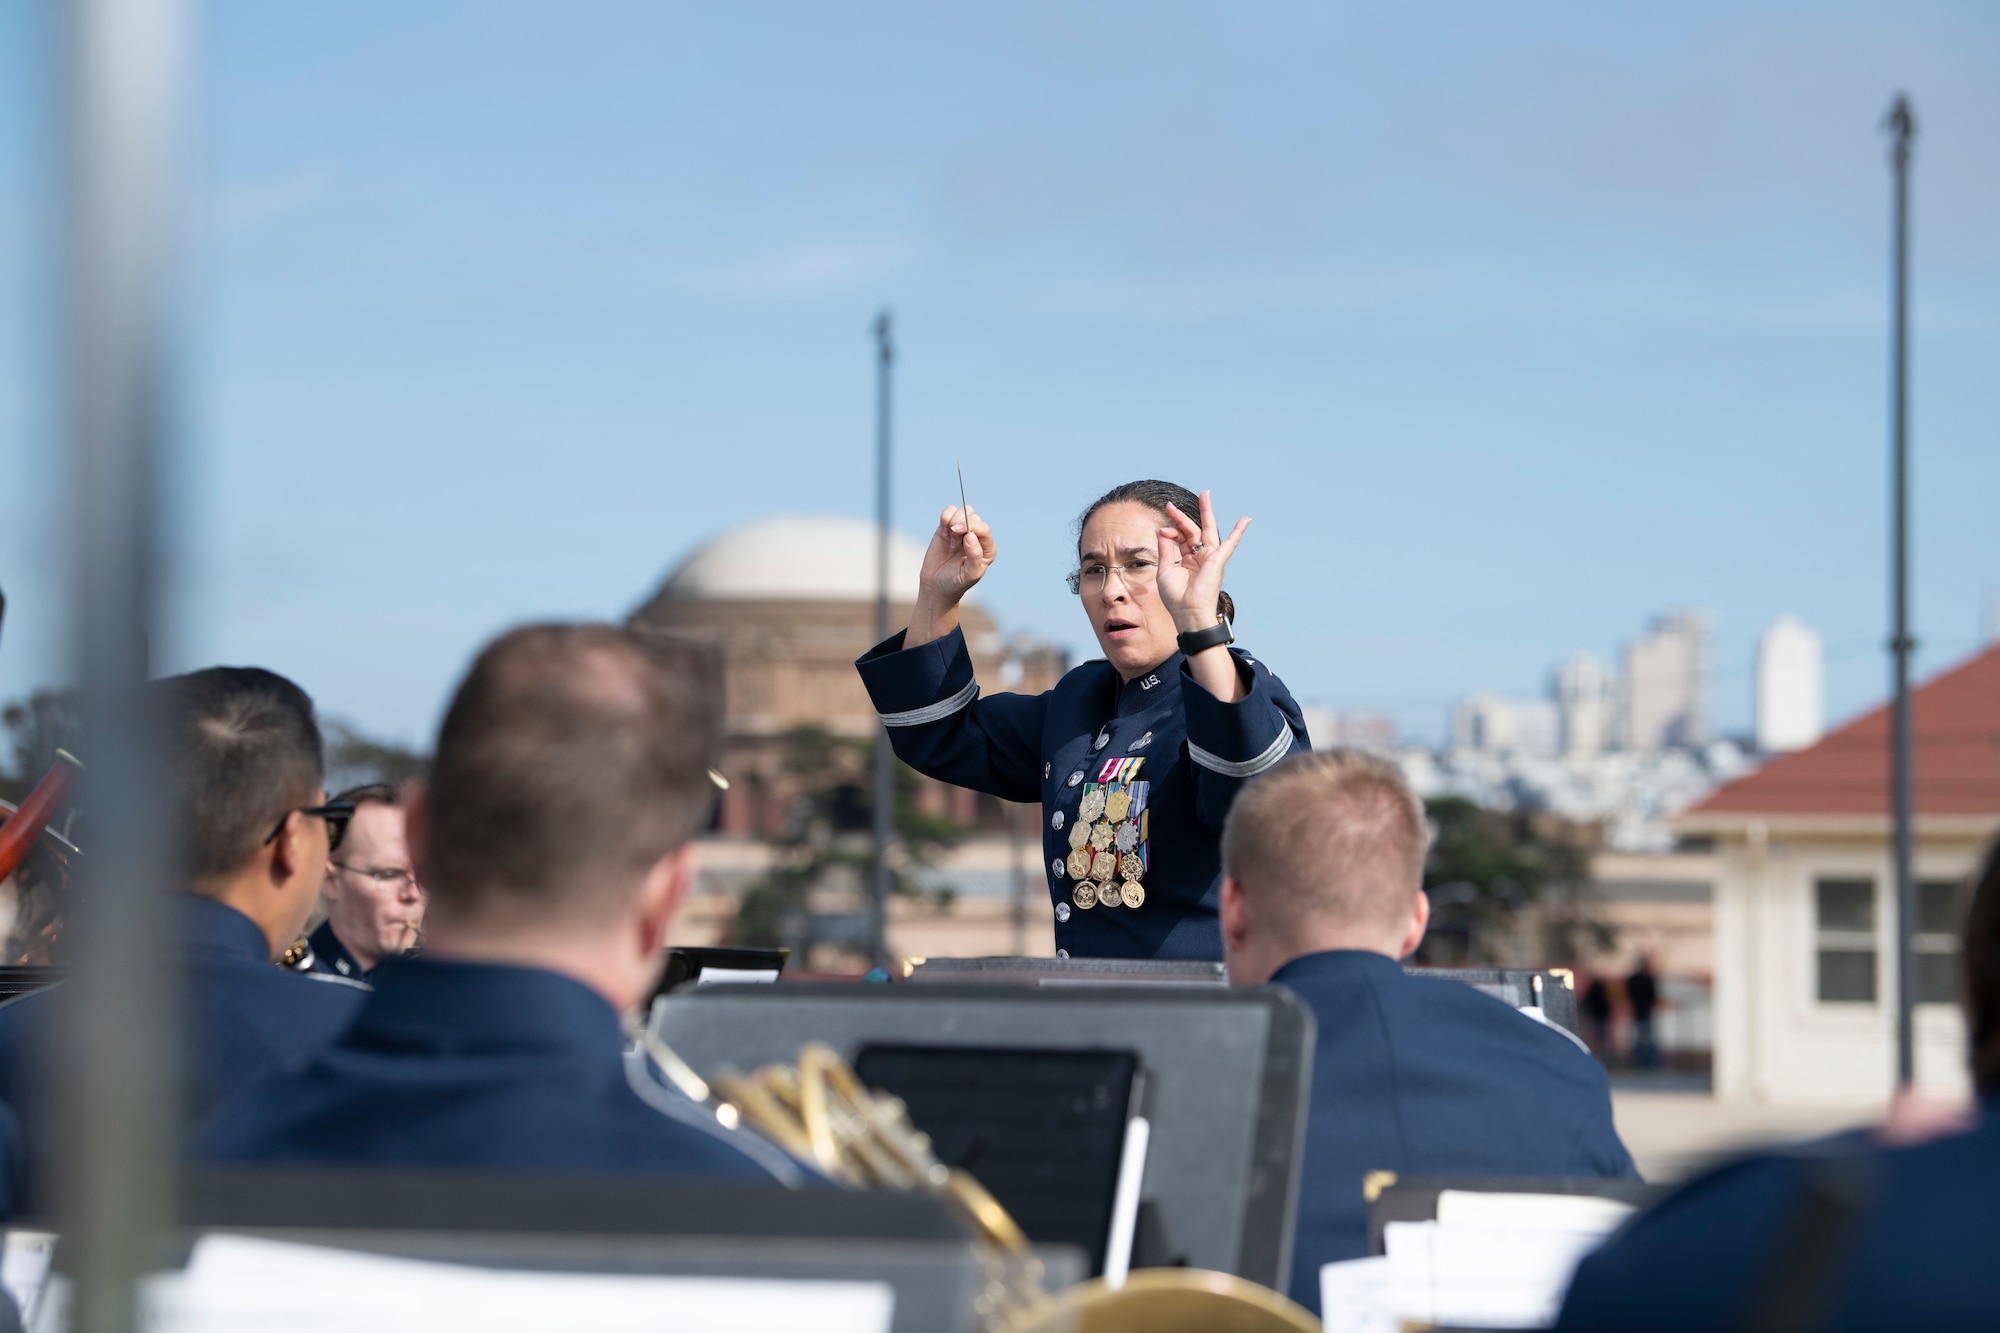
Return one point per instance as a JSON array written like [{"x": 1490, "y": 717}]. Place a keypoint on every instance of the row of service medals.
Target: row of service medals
[{"x": 1108, "y": 842}]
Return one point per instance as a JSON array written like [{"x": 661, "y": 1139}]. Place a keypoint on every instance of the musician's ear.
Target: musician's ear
[
  {"x": 416, "y": 805},
  {"x": 667, "y": 886},
  {"x": 1420, "y": 921},
  {"x": 286, "y": 850},
  {"x": 1236, "y": 933}
]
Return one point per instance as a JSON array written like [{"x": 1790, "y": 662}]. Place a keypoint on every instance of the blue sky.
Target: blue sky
[{"x": 1510, "y": 325}]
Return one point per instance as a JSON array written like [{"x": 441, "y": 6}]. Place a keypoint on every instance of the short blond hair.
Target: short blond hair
[{"x": 1330, "y": 836}]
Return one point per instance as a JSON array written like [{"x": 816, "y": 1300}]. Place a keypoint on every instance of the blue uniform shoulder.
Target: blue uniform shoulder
[
  {"x": 1721, "y": 1225},
  {"x": 1467, "y": 1009}
]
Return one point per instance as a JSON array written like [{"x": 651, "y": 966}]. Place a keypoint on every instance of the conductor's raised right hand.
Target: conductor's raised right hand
[{"x": 960, "y": 553}]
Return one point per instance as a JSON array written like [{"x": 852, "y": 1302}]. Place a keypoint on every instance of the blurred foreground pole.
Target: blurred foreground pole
[
  {"x": 1903, "y": 127},
  {"x": 885, "y": 759},
  {"x": 122, "y": 82}
]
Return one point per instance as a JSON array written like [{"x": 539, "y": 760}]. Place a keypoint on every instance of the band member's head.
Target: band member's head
[
  {"x": 245, "y": 751},
  {"x": 373, "y": 900},
  {"x": 571, "y": 774},
  {"x": 1117, "y": 570},
  {"x": 1326, "y": 851}
]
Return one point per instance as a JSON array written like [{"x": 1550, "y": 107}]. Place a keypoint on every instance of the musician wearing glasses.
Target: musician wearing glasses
[
  {"x": 1133, "y": 758},
  {"x": 374, "y": 905},
  {"x": 254, "y": 832}
]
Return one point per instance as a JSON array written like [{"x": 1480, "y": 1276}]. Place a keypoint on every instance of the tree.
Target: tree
[
  {"x": 1504, "y": 884},
  {"x": 826, "y": 844},
  {"x": 48, "y": 721},
  {"x": 353, "y": 758}
]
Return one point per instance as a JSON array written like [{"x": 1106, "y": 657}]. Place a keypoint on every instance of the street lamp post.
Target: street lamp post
[
  {"x": 885, "y": 773},
  {"x": 1902, "y": 127}
]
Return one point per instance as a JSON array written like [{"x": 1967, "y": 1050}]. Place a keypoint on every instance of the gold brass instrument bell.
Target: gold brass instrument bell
[{"x": 819, "y": 1111}]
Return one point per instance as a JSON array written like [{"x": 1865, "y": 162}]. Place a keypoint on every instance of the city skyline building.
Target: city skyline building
[
  {"x": 1587, "y": 701},
  {"x": 1328, "y": 727},
  {"x": 1665, "y": 684},
  {"x": 1791, "y": 687},
  {"x": 1491, "y": 724}
]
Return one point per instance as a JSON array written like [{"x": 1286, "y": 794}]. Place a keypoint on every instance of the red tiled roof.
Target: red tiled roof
[{"x": 1956, "y": 735}]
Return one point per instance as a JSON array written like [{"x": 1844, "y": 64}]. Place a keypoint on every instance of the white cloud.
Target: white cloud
[
  {"x": 1218, "y": 296},
  {"x": 804, "y": 271}
]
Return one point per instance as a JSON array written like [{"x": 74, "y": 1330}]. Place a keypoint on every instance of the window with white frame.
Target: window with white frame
[
  {"x": 1844, "y": 940},
  {"x": 1937, "y": 941}
]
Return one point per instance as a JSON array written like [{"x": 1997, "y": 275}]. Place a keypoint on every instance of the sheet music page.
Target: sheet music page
[
  {"x": 734, "y": 976},
  {"x": 237, "y": 1282},
  {"x": 1358, "y": 1296},
  {"x": 1539, "y": 1212},
  {"x": 1493, "y": 1260},
  {"x": 1504, "y": 1277},
  {"x": 1412, "y": 1255},
  {"x": 24, "y": 1270}
]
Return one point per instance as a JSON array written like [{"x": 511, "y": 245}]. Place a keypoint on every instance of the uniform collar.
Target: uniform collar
[
  {"x": 208, "y": 926},
  {"x": 327, "y": 945},
  {"x": 1337, "y": 963},
  {"x": 1150, "y": 687},
  {"x": 437, "y": 1004}
]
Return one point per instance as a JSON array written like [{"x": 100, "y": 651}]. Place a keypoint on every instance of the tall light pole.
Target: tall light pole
[
  {"x": 122, "y": 65},
  {"x": 885, "y": 773},
  {"x": 1902, "y": 127}
]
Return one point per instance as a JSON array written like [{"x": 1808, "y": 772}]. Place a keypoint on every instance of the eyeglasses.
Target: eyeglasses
[
  {"x": 388, "y": 879},
  {"x": 335, "y": 813},
  {"x": 1091, "y": 578}
]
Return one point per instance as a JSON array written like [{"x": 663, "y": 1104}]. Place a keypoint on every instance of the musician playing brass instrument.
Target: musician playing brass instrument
[{"x": 375, "y": 906}]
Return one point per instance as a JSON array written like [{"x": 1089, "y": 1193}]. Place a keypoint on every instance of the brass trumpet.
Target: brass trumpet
[{"x": 819, "y": 1111}]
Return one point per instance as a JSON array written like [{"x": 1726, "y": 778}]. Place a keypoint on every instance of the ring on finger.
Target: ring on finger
[{"x": 1200, "y": 546}]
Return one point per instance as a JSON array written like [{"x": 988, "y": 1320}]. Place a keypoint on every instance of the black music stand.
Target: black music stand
[
  {"x": 1551, "y": 990},
  {"x": 1228, "y": 1078},
  {"x": 1069, "y": 972}
]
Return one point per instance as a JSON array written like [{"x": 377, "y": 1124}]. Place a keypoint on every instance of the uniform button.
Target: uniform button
[
  {"x": 1062, "y": 913},
  {"x": 1056, "y": 868},
  {"x": 1076, "y": 777},
  {"x": 1045, "y": 771},
  {"x": 1062, "y": 953},
  {"x": 1056, "y": 821},
  {"x": 1102, "y": 741}
]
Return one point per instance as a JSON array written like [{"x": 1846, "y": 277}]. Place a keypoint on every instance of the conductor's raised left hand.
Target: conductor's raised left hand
[{"x": 1192, "y": 557}]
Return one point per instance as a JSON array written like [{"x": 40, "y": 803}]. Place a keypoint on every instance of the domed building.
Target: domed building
[{"x": 790, "y": 603}]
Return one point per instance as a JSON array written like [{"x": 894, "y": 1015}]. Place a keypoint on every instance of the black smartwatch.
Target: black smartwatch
[{"x": 1200, "y": 640}]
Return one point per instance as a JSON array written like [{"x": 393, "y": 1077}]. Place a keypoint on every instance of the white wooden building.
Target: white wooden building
[{"x": 1805, "y": 927}]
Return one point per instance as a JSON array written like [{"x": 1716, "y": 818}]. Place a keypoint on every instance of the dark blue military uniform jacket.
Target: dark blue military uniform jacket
[
  {"x": 1428, "y": 1076},
  {"x": 1056, "y": 747},
  {"x": 329, "y": 955},
  {"x": 245, "y": 1019},
  {"x": 1921, "y": 1248},
  {"x": 477, "y": 1065}
]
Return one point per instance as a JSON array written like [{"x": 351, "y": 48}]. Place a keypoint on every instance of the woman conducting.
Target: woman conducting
[{"x": 1135, "y": 758}]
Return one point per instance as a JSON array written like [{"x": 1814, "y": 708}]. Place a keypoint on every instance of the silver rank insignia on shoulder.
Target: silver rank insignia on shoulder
[{"x": 1142, "y": 742}]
